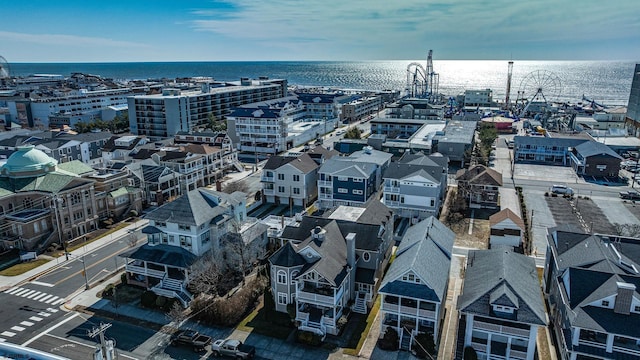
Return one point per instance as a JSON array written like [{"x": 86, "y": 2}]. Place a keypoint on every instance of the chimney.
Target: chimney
[
  {"x": 318, "y": 233},
  {"x": 624, "y": 298},
  {"x": 351, "y": 249}
]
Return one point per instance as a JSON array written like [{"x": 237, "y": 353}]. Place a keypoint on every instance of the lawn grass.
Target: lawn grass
[
  {"x": 360, "y": 334},
  {"x": 265, "y": 320},
  {"x": 22, "y": 268}
]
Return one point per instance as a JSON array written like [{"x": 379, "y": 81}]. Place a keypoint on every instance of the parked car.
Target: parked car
[
  {"x": 561, "y": 189},
  {"x": 233, "y": 348},
  {"x": 510, "y": 144},
  {"x": 340, "y": 132},
  {"x": 630, "y": 195},
  {"x": 190, "y": 338}
]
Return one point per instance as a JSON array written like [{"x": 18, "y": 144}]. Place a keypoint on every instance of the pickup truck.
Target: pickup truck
[
  {"x": 233, "y": 348},
  {"x": 190, "y": 338},
  {"x": 630, "y": 195}
]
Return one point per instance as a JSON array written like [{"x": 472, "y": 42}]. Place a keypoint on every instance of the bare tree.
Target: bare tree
[
  {"x": 206, "y": 274},
  {"x": 239, "y": 185},
  {"x": 177, "y": 314},
  {"x": 630, "y": 230}
]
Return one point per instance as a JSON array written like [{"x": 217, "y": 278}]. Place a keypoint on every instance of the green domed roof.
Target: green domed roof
[{"x": 28, "y": 161}]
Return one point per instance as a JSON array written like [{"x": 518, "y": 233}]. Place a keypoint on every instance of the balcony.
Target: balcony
[
  {"x": 392, "y": 189},
  {"x": 325, "y": 183},
  {"x": 501, "y": 329},
  {"x": 268, "y": 191},
  {"x": 267, "y": 178},
  {"x": 325, "y": 196},
  {"x": 407, "y": 310},
  {"x": 319, "y": 296}
]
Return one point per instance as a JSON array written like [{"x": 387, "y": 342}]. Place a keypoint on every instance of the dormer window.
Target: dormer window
[{"x": 605, "y": 303}]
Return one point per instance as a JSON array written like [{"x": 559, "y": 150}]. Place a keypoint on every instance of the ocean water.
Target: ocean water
[{"x": 607, "y": 82}]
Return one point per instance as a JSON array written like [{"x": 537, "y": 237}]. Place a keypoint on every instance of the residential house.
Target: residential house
[
  {"x": 120, "y": 192},
  {"x": 500, "y": 307},
  {"x": 327, "y": 262},
  {"x": 415, "y": 185},
  {"x": 189, "y": 166},
  {"x": 591, "y": 282},
  {"x": 414, "y": 290},
  {"x": 456, "y": 140},
  {"x": 42, "y": 202},
  {"x": 120, "y": 148},
  {"x": 290, "y": 180},
  {"x": 592, "y": 158},
  {"x": 178, "y": 234},
  {"x": 507, "y": 228},
  {"x": 480, "y": 185},
  {"x": 217, "y": 140},
  {"x": 351, "y": 180}
]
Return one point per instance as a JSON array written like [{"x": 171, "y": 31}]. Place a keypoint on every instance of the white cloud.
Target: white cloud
[
  {"x": 383, "y": 27},
  {"x": 68, "y": 40}
]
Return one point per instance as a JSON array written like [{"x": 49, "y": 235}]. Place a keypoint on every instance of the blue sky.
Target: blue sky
[{"x": 245, "y": 30}]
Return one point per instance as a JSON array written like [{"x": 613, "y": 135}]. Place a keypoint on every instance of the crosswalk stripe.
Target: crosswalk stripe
[
  {"x": 22, "y": 291},
  {"x": 2, "y": 340},
  {"x": 17, "y": 328},
  {"x": 51, "y": 300},
  {"x": 34, "y": 294},
  {"x": 52, "y": 310},
  {"x": 39, "y": 296},
  {"x": 26, "y": 323},
  {"x": 28, "y": 293},
  {"x": 45, "y": 298},
  {"x": 60, "y": 301},
  {"x": 44, "y": 314},
  {"x": 8, "y": 334},
  {"x": 35, "y": 318},
  {"x": 13, "y": 290}
]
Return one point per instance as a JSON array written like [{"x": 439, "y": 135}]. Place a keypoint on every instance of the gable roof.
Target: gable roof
[
  {"x": 506, "y": 214},
  {"x": 304, "y": 163},
  {"x": 277, "y": 161},
  {"x": 196, "y": 207},
  {"x": 287, "y": 256},
  {"x": 425, "y": 249},
  {"x": 504, "y": 276},
  {"x": 592, "y": 148},
  {"x": 332, "y": 264},
  {"x": 480, "y": 174}
]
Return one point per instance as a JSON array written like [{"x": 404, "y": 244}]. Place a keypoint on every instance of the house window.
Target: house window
[
  {"x": 357, "y": 192},
  {"x": 343, "y": 178},
  {"x": 184, "y": 227},
  {"x": 366, "y": 256},
  {"x": 282, "y": 277},
  {"x": 433, "y": 202},
  {"x": 161, "y": 224},
  {"x": 357, "y": 180},
  {"x": 280, "y": 176},
  {"x": 636, "y": 308},
  {"x": 280, "y": 189},
  {"x": 296, "y": 191},
  {"x": 605, "y": 303},
  {"x": 282, "y": 298},
  {"x": 185, "y": 241},
  {"x": 343, "y": 191},
  {"x": 296, "y": 177}
]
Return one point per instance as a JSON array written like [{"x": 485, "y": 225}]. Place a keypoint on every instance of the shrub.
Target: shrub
[
  {"x": 308, "y": 338},
  {"x": 148, "y": 299},
  {"x": 161, "y": 301},
  {"x": 229, "y": 311},
  {"x": 546, "y": 193},
  {"x": 390, "y": 340},
  {"x": 108, "y": 291},
  {"x": 470, "y": 354},
  {"x": 169, "y": 304},
  {"x": 424, "y": 345}
]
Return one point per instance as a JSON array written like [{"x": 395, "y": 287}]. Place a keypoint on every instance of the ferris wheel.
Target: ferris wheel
[{"x": 540, "y": 86}]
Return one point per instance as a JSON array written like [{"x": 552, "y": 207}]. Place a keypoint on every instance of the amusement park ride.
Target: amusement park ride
[{"x": 422, "y": 83}]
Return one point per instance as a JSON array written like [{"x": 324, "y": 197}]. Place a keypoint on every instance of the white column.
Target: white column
[
  {"x": 468, "y": 331},
  {"x": 436, "y": 321},
  {"x": 531, "y": 347},
  {"x": 610, "y": 343},
  {"x": 575, "y": 336}
]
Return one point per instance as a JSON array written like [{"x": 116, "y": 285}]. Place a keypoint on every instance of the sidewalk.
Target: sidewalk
[{"x": 11, "y": 281}]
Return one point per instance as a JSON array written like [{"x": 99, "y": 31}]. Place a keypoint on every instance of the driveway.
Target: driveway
[{"x": 542, "y": 219}]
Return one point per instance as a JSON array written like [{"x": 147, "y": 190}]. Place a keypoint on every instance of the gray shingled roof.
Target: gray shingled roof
[
  {"x": 338, "y": 167},
  {"x": 591, "y": 148},
  {"x": 277, "y": 161},
  {"x": 162, "y": 254},
  {"x": 424, "y": 249},
  {"x": 287, "y": 256},
  {"x": 332, "y": 264},
  {"x": 196, "y": 207},
  {"x": 508, "y": 273}
]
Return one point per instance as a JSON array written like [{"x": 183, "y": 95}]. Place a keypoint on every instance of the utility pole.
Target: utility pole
[{"x": 106, "y": 349}]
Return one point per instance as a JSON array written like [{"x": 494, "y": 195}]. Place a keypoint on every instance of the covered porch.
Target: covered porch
[{"x": 160, "y": 268}]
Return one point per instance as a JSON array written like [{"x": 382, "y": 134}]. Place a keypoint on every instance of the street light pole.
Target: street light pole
[{"x": 84, "y": 271}]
